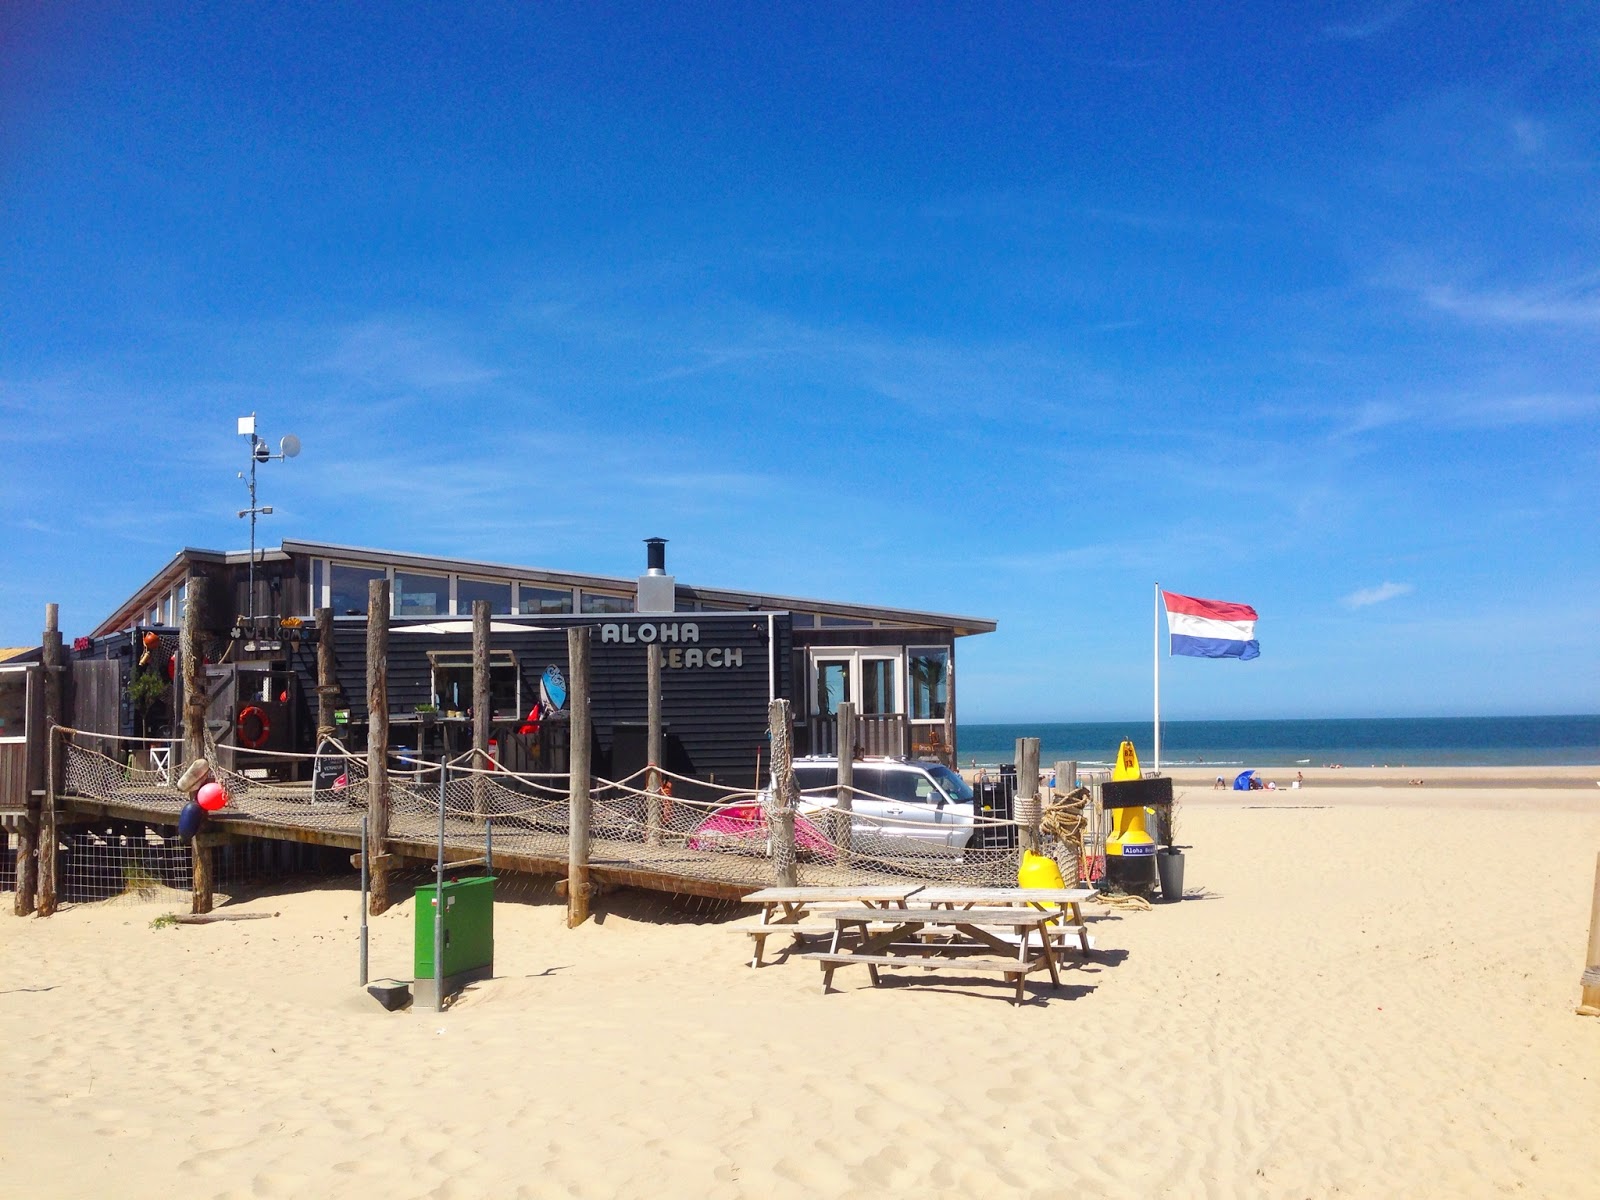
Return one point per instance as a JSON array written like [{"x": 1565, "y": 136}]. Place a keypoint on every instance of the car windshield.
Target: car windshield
[{"x": 952, "y": 783}]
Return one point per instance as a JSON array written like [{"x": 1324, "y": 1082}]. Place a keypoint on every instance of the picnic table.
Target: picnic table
[
  {"x": 942, "y": 939},
  {"x": 785, "y": 909},
  {"x": 1065, "y": 901}
]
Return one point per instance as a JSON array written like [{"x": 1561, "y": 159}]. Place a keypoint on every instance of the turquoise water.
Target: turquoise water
[{"x": 1351, "y": 742}]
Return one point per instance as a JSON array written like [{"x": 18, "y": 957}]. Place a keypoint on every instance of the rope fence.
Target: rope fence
[{"x": 726, "y": 838}]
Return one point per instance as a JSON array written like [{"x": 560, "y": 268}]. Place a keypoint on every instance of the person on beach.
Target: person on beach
[{"x": 1218, "y": 784}]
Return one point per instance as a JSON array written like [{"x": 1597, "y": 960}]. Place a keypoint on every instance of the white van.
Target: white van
[{"x": 897, "y": 804}]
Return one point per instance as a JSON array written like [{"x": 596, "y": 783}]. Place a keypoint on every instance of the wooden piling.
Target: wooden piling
[
  {"x": 1029, "y": 811},
  {"x": 578, "y": 890},
  {"x": 378, "y": 742},
  {"x": 327, "y": 681},
  {"x": 192, "y": 659},
  {"x": 481, "y": 708},
  {"x": 652, "y": 821},
  {"x": 54, "y": 715},
  {"x": 1589, "y": 1002},
  {"x": 201, "y": 860},
  {"x": 784, "y": 793},
  {"x": 843, "y": 813}
]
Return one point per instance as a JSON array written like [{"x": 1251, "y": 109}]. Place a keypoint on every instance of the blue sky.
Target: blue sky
[{"x": 1003, "y": 310}]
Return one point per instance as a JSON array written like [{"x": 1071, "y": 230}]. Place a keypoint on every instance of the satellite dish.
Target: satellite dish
[{"x": 290, "y": 446}]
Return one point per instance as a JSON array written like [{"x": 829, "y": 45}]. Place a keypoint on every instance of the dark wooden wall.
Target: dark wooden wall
[{"x": 716, "y": 717}]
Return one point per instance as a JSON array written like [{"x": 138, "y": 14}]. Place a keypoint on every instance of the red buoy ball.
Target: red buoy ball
[
  {"x": 151, "y": 641},
  {"x": 211, "y": 797}
]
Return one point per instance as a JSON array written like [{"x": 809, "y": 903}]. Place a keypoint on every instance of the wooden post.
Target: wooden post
[
  {"x": 1028, "y": 809},
  {"x": 843, "y": 813},
  {"x": 378, "y": 741},
  {"x": 327, "y": 681},
  {"x": 481, "y": 706},
  {"x": 578, "y": 785},
  {"x": 950, "y": 709},
  {"x": 54, "y": 713},
  {"x": 652, "y": 821},
  {"x": 1589, "y": 1005},
  {"x": 192, "y": 658},
  {"x": 200, "y": 859},
  {"x": 48, "y": 833},
  {"x": 781, "y": 817}
]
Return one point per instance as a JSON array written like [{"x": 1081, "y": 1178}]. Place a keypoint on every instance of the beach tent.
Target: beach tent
[{"x": 1241, "y": 782}]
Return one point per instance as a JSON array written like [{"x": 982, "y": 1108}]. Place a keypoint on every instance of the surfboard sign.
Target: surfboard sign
[{"x": 553, "y": 687}]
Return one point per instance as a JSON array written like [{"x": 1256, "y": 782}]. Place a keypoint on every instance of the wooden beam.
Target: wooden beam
[
  {"x": 480, "y": 708},
  {"x": 327, "y": 678},
  {"x": 652, "y": 820},
  {"x": 578, "y": 799},
  {"x": 1028, "y": 809},
  {"x": 784, "y": 793},
  {"x": 378, "y": 736},
  {"x": 843, "y": 818},
  {"x": 191, "y": 657},
  {"x": 1589, "y": 1003},
  {"x": 201, "y": 856}
]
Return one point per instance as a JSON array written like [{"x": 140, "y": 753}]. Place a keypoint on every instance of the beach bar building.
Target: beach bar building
[{"x": 725, "y": 655}]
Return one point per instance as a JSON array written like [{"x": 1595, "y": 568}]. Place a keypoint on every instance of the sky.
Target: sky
[{"x": 1002, "y": 310}]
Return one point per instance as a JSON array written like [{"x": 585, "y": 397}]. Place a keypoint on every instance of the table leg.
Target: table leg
[{"x": 1049, "y": 957}]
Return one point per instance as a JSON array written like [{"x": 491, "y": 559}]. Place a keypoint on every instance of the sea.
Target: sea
[{"x": 1349, "y": 742}]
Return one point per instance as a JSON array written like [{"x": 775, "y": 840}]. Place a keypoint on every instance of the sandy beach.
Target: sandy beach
[{"x": 1369, "y": 992}]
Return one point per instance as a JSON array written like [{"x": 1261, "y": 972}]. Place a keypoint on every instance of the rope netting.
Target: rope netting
[{"x": 722, "y": 833}]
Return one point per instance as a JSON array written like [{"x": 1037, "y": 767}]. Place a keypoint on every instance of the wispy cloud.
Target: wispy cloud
[
  {"x": 1377, "y": 595},
  {"x": 1572, "y": 303},
  {"x": 404, "y": 355},
  {"x": 1375, "y": 22}
]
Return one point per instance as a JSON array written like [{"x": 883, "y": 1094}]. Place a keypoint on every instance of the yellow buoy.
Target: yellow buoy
[{"x": 1130, "y": 850}]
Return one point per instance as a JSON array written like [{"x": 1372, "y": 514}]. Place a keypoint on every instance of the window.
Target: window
[
  {"x": 497, "y": 594},
  {"x": 928, "y": 677},
  {"x": 452, "y": 682},
  {"x": 833, "y": 686},
  {"x": 319, "y": 579},
  {"x": 877, "y": 685},
  {"x": 348, "y": 588},
  {"x": 183, "y": 601},
  {"x": 421, "y": 595},
  {"x": 533, "y": 601},
  {"x": 596, "y": 602},
  {"x": 13, "y": 706}
]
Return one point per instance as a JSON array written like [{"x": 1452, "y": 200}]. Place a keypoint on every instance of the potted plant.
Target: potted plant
[{"x": 1169, "y": 858}]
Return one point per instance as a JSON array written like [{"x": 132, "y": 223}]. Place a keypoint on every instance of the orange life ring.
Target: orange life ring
[{"x": 258, "y": 739}]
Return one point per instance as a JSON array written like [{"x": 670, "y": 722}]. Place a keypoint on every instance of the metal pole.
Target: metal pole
[
  {"x": 250, "y": 600},
  {"x": 363, "y": 900},
  {"x": 1155, "y": 757},
  {"x": 438, "y": 905}
]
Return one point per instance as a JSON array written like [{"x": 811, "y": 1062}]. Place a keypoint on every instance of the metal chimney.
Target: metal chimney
[
  {"x": 658, "y": 591},
  {"x": 655, "y": 552}
]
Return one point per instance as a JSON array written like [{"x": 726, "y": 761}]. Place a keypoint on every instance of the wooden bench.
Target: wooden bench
[
  {"x": 943, "y": 939},
  {"x": 1067, "y": 917},
  {"x": 785, "y": 909},
  {"x": 1014, "y": 971}
]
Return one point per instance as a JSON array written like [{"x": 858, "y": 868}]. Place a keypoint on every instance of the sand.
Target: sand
[{"x": 1369, "y": 993}]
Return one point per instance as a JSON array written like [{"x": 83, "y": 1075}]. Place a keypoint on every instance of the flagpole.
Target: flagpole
[{"x": 1155, "y": 758}]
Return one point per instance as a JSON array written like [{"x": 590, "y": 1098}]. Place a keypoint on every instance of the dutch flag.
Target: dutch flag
[{"x": 1211, "y": 628}]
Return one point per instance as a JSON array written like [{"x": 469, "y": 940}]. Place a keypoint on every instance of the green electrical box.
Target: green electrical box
[{"x": 468, "y": 936}]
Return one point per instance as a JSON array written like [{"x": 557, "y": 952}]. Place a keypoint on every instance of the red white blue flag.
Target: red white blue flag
[{"x": 1211, "y": 628}]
